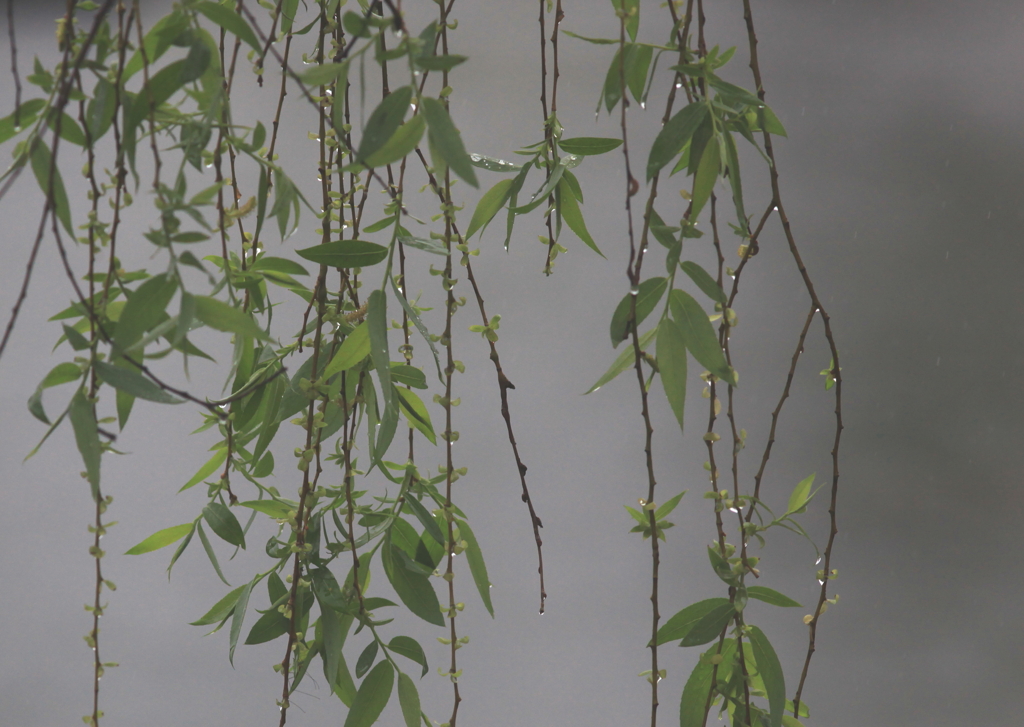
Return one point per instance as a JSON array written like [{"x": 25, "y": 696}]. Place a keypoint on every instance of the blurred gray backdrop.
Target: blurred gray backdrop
[{"x": 903, "y": 176}]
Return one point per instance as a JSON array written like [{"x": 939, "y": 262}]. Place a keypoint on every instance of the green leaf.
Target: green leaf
[
  {"x": 623, "y": 362},
  {"x": 425, "y": 518},
  {"x": 345, "y": 254},
  {"x": 770, "y": 669},
  {"x": 568, "y": 205},
  {"x": 476, "y": 565},
  {"x": 649, "y": 293},
  {"x": 700, "y": 336},
  {"x": 672, "y": 367},
  {"x": 268, "y": 627},
  {"x": 63, "y": 373},
  {"x": 327, "y": 590},
  {"x": 541, "y": 195},
  {"x": 491, "y": 164},
  {"x": 710, "y": 626},
  {"x": 732, "y": 163},
  {"x": 161, "y": 539},
  {"x": 70, "y": 131},
  {"x": 384, "y": 122},
  {"x": 223, "y": 317},
  {"x": 789, "y": 721},
  {"x": 181, "y": 548},
  {"x": 665, "y": 508},
  {"x": 210, "y": 553},
  {"x": 771, "y": 122},
  {"x": 41, "y": 161},
  {"x": 445, "y": 138},
  {"x": 278, "y": 265},
  {"x": 231, "y": 21},
  {"x": 409, "y": 375},
  {"x": 238, "y": 616},
  {"x": 224, "y": 523},
  {"x": 353, "y": 349},
  {"x": 674, "y": 135},
  {"x": 638, "y": 62},
  {"x": 144, "y": 310},
  {"x": 83, "y": 421},
  {"x": 402, "y": 142},
  {"x": 325, "y": 74},
  {"x": 409, "y": 648},
  {"x": 414, "y": 317},
  {"x": 801, "y": 495},
  {"x": 365, "y": 660},
  {"x": 492, "y": 201},
  {"x": 768, "y": 595},
  {"x": 29, "y": 112},
  {"x": 207, "y": 469},
  {"x": 132, "y": 383},
  {"x": 683, "y": 622},
  {"x": 220, "y": 610},
  {"x": 725, "y": 88},
  {"x": 100, "y": 111},
  {"x": 588, "y": 145},
  {"x": 274, "y": 508},
  {"x": 409, "y": 699},
  {"x": 705, "y": 282},
  {"x": 440, "y": 63},
  {"x": 413, "y": 589},
  {"x": 416, "y": 412},
  {"x": 373, "y": 695},
  {"x": 377, "y": 326},
  {"x": 695, "y": 692},
  {"x": 706, "y": 176}
]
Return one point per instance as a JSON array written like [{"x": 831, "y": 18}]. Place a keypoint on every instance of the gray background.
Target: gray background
[{"x": 902, "y": 177}]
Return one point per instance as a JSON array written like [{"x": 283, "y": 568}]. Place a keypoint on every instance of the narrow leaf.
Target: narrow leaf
[
  {"x": 705, "y": 282},
  {"x": 353, "y": 349},
  {"x": 588, "y": 145},
  {"x": 445, "y": 138},
  {"x": 672, "y": 367},
  {"x": 709, "y": 626},
  {"x": 224, "y": 523},
  {"x": 402, "y": 142},
  {"x": 160, "y": 539},
  {"x": 773, "y": 597},
  {"x": 623, "y": 362},
  {"x": 414, "y": 589},
  {"x": 569, "y": 206},
  {"x": 801, "y": 495},
  {"x": 700, "y": 336},
  {"x": 373, "y": 695},
  {"x": 476, "y": 565},
  {"x": 345, "y": 254},
  {"x": 41, "y": 162},
  {"x": 683, "y": 622},
  {"x": 223, "y": 317},
  {"x": 706, "y": 176},
  {"x": 238, "y": 617},
  {"x": 649, "y": 293},
  {"x": 207, "y": 469},
  {"x": 409, "y": 648},
  {"x": 132, "y": 383},
  {"x": 384, "y": 122},
  {"x": 409, "y": 699},
  {"x": 770, "y": 669},
  {"x": 220, "y": 610},
  {"x": 492, "y": 201},
  {"x": 83, "y": 421},
  {"x": 231, "y": 21}
]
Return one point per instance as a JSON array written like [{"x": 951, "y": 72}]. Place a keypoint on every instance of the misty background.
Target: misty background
[{"x": 902, "y": 175}]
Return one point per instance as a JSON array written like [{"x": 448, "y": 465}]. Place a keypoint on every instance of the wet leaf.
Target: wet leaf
[{"x": 588, "y": 145}]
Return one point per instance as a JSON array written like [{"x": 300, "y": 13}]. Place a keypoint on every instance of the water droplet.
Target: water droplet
[
  {"x": 541, "y": 612},
  {"x": 679, "y": 85},
  {"x": 821, "y": 582},
  {"x": 818, "y": 560},
  {"x": 643, "y": 105},
  {"x": 634, "y": 290}
]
